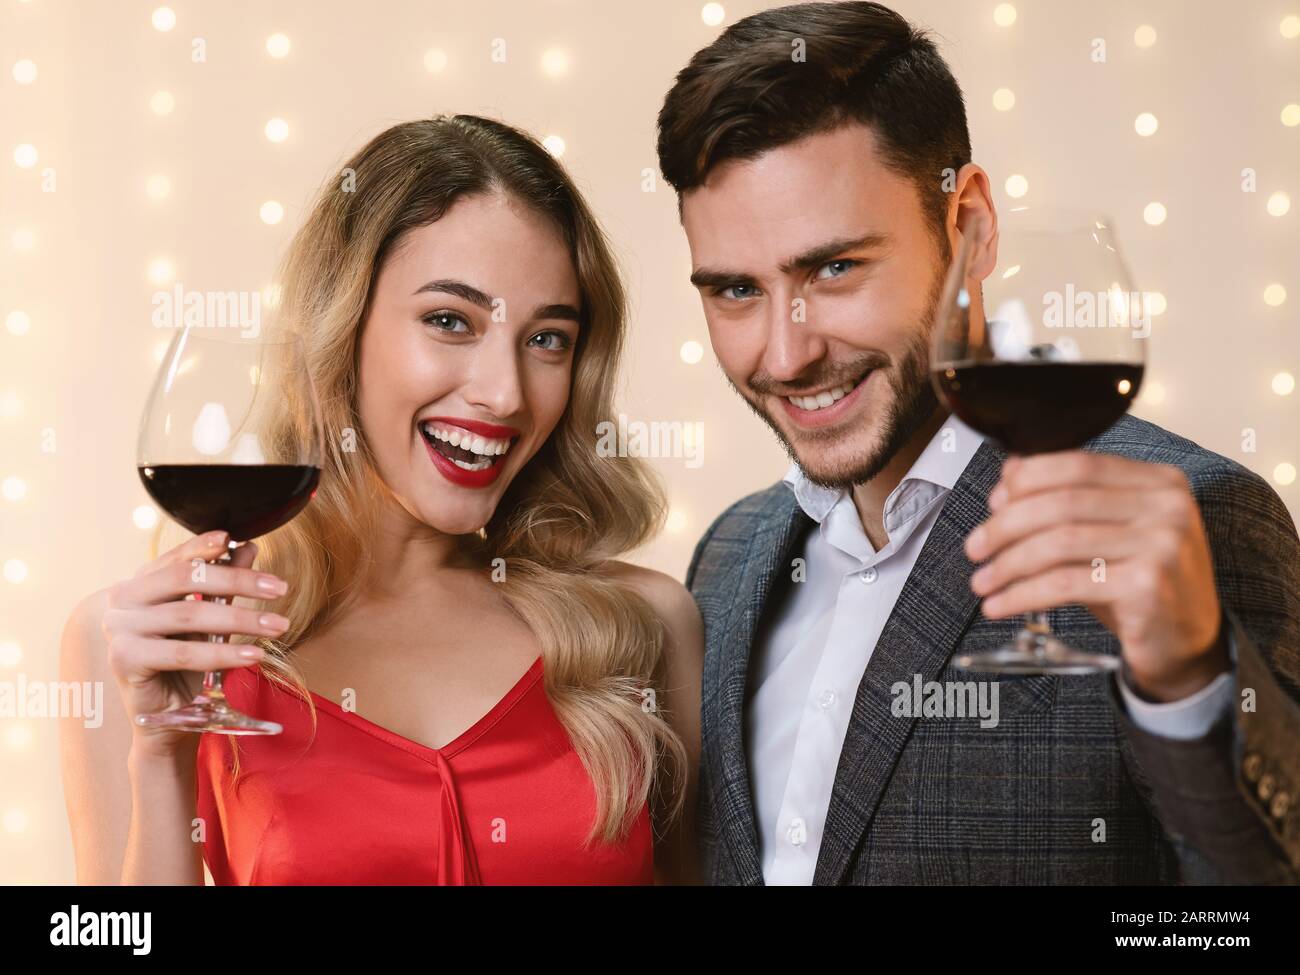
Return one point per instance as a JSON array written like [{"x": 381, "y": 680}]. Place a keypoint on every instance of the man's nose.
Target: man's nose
[{"x": 793, "y": 343}]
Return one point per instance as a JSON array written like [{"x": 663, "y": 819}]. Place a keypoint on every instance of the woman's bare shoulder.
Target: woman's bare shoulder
[{"x": 671, "y": 601}]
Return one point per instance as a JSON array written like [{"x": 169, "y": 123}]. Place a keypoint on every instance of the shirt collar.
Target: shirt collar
[{"x": 941, "y": 463}]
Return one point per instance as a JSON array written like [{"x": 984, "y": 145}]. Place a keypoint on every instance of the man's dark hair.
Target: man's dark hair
[{"x": 748, "y": 92}]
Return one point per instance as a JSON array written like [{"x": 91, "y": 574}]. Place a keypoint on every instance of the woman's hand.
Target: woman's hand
[{"x": 149, "y": 618}]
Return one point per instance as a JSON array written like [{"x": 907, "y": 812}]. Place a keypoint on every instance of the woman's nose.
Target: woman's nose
[{"x": 495, "y": 382}]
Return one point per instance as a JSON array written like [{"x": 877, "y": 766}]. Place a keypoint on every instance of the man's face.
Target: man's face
[{"x": 819, "y": 274}]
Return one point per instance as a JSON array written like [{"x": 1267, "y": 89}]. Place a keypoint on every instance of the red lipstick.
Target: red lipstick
[{"x": 494, "y": 430}]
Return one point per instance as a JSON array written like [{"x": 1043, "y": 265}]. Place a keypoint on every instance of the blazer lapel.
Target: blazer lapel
[
  {"x": 768, "y": 553},
  {"x": 933, "y": 610}
]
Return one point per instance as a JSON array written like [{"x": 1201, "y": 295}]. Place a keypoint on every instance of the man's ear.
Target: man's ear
[{"x": 972, "y": 206}]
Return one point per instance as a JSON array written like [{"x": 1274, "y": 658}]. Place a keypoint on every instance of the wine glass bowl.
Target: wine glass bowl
[
  {"x": 1039, "y": 343},
  {"x": 231, "y": 440}
]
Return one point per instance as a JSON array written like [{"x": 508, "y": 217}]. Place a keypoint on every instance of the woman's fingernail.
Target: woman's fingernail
[
  {"x": 273, "y": 621},
  {"x": 272, "y": 584},
  {"x": 251, "y": 653},
  {"x": 215, "y": 539}
]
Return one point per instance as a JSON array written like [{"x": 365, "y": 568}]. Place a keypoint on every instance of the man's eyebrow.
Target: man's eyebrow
[
  {"x": 812, "y": 259},
  {"x": 474, "y": 296},
  {"x": 706, "y": 277},
  {"x": 807, "y": 261}
]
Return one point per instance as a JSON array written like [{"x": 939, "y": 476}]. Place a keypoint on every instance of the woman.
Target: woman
[{"x": 530, "y": 705}]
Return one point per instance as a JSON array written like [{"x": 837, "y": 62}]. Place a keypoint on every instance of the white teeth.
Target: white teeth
[
  {"x": 476, "y": 466},
  {"x": 824, "y": 399},
  {"x": 487, "y": 446}
]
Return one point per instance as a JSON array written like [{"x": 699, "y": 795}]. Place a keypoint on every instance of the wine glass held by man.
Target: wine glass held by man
[
  {"x": 1121, "y": 537},
  {"x": 453, "y": 580}
]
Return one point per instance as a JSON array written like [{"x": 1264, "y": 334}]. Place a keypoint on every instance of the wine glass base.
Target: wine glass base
[
  {"x": 206, "y": 714},
  {"x": 1036, "y": 653}
]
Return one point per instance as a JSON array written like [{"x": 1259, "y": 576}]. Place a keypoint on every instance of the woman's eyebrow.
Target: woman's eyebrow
[
  {"x": 475, "y": 296},
  {"x": 460, "y": 289},
  {"x": 556, "y": 311}
]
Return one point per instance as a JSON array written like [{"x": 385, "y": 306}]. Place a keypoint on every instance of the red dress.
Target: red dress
[{"x": 507, "y": 802}]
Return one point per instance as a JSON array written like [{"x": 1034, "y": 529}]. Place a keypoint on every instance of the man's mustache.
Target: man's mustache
[{"x": 837, "y": 375}]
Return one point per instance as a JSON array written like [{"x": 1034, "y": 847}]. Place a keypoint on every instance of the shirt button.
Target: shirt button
[
  {"x": 797, "y": 834},
  {"x": 826, "y": 699},
  {"x": 867, "y": 575}
]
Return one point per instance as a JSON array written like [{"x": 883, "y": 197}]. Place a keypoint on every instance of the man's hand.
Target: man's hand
[{"x": 1054, "y": 516}]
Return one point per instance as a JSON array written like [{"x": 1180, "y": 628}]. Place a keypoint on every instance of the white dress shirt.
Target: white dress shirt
[{"x": 810, "y": 658}]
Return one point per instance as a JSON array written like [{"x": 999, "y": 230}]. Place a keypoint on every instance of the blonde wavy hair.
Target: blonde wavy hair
[{"x": 566, "y": 512}]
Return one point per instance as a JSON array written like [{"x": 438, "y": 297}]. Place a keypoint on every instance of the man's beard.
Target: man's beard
[{"x": 913, "y": 404}]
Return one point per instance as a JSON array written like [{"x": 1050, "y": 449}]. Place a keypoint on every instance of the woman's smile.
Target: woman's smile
[{"x": 470, "y": 453}]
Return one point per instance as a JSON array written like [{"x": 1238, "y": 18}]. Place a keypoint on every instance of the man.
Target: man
[{"x": 809, "y": 147}]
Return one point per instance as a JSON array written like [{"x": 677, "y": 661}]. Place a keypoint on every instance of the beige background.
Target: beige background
[{"x": 78, "y": 360}]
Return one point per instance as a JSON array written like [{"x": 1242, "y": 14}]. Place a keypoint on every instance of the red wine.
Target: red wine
[
  {"x": 246, "y": 500},
  {"x": 1034, "y": 407}
]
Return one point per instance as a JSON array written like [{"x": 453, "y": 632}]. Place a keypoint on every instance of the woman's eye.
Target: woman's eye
[
  {"x": 445, "y": 321},
  {"x": 844, "y": 266},
  {"x": 550, "y": 341}
]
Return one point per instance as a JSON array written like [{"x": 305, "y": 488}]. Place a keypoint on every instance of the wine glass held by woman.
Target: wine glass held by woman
[
  {"x": 472, "y": 688},
  {"x": 220, "y": 451}
]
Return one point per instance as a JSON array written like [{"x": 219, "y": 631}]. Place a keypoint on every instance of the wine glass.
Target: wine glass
[
  {"x": 1039, "y": 343},
  {"x": 230, "y": 440}
]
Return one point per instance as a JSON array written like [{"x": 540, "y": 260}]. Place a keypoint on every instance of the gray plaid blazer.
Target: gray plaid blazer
[{"x": 926, "y": 801}]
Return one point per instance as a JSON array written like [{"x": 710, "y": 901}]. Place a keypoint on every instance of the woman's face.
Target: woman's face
[{"x": 466, "y": 357}]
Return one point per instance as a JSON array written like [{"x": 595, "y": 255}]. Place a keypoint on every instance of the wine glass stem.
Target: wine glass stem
[
  {"x": 212, "y": 679},
  {"x": 212, "y": 689},
  {"x": 1037, "y": 630}
]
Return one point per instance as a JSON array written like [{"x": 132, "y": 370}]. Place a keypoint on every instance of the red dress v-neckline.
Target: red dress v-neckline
[
  {"x": 343, "y": 800},
  {"x": 463, "y": 740}
]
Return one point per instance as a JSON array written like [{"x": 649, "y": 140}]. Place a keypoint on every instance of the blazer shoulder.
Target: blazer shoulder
[
  {"x": 728, "y": 536},
  {"x": 1139, "y": 439},
  {"x": 1250, "y": 530},
  {"x": 1206, "y": 470}
]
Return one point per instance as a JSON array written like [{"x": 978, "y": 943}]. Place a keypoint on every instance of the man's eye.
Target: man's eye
[
  {"x": 742, "y": 291},
  {"x": 844, "y": 266},
  {"x": 551, "y": 341},
  {"x": 445, "y": 321}
]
